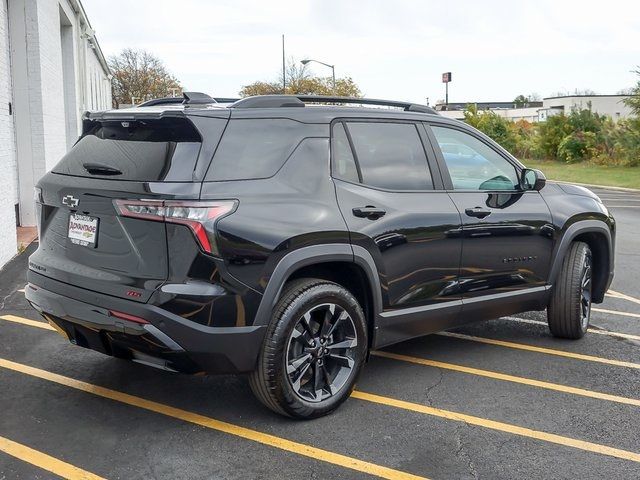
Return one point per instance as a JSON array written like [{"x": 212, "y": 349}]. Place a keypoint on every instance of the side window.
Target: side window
[
  {"x": 257, "y": 148},
  {"x": 472, "y": 164},
  {"x": 343, "y": 163},
  {"x": 390, "y": 155}
]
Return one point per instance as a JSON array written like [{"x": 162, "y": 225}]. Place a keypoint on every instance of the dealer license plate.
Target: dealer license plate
[{"x": 83, "y": 230}]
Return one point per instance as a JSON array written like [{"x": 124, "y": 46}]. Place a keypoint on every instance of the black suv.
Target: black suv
[{"x": 287, "y": 236}]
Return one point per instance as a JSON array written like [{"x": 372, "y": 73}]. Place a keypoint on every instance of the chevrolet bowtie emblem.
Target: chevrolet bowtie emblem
[{"x": 70, "y": 201}]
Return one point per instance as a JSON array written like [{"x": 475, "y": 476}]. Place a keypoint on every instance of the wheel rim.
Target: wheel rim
[
  {"x": 321, "y": 352},
  {"x": 585, "y": 299}
]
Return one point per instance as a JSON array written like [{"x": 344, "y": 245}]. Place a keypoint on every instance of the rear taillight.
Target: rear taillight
[
  {"x": 39, "y": 201},
  {"x": 37, "y": 195},
  {"x": 199, "y": 216}
]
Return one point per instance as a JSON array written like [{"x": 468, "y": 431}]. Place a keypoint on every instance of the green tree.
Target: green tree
[
  {"x": 633, "y": 102},
  {"x": 521, "y": 101},
  {"x": 140, "y": 75}
]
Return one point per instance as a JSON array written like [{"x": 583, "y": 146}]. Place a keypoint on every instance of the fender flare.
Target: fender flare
[
  {"x": 578, "y": 228},
  {"x": 315, "y": 254}
]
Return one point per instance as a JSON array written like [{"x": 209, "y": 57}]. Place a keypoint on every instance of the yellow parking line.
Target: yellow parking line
[
  {"x": 548, "y": 351},
  {"x": 616, "y": 312},
  {"x": 499, "y": 426},
  {"x": 613, "y": 293},
  {"x": 597, "y": 331},
  {"x": 26, "y": 321},
  {"x": 508, "y": 378},
  {"x": 44, "y": 461},
  {"x": 212, "y": 423}
]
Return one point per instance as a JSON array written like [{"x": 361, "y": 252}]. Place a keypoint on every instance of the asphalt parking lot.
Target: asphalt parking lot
[{"x": 497, "y": 400}]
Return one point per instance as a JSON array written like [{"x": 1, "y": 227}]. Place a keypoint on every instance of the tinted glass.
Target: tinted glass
[
  {"x": 344, "y": 165},
  {"x": 472, "y": 164},
  {"x": 146, "y": 151},
  {"x": 391, "y": 155},
  {"x": 256, "y": 148}
]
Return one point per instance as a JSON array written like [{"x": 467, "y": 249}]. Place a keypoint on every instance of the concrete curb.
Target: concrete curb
[{"x": 622, "y": 189}]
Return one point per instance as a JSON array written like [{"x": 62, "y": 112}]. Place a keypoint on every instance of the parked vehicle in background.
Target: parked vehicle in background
[{"x": 286, "y": 240}]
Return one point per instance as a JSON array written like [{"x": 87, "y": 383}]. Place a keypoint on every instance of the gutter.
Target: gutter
[{"x": 78, "y": 8}]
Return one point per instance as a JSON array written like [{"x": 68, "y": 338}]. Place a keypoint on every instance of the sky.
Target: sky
[{"x": 395, "y": 49}]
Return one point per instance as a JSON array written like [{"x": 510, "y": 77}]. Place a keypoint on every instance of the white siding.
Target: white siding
[{"x": 611, "y": 105}]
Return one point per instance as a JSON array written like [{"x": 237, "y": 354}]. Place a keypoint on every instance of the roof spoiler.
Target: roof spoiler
[{"x": 197, "y": 98}]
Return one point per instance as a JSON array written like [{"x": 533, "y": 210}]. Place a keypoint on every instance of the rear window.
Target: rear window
[
  {"x": 141, "y": 150},
  {"x": 257, "y": 148}
]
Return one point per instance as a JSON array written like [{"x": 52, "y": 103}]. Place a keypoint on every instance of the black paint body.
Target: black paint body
[{"x": 422, "y": 267}]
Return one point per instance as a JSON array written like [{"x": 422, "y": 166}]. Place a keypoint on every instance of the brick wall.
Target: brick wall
[
  {"x": 48, "y": 84},
  {"x": 8, "y": 172}
]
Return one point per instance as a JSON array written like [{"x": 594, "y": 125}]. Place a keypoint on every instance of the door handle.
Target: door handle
[
  {"x": 370, "y": 212},
  {"x": 477, "y": 212}
]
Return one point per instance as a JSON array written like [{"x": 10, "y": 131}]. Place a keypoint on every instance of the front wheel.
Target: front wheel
[
  {"x": 313, "y": 350},
  {"x": 569, "y": 310}
]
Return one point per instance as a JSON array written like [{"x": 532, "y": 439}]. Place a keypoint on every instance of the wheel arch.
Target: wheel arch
[
  {"x": 598, "y": 236},
  {"x": 352, "y": 267}
]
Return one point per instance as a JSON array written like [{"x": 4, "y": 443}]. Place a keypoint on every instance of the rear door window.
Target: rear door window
[
  {"x": 390, "y": 155},
  {"x": 141, "y": 150},
  {"x": 258, "y": 148}
]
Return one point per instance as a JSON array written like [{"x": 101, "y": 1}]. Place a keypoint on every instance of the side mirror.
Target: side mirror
[{"x": 532, "y": 179}]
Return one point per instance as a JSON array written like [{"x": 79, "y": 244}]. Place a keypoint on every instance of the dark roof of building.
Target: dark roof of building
[
  {"x": 586, "y": 96},
  {"x": 484, "y": 105}
]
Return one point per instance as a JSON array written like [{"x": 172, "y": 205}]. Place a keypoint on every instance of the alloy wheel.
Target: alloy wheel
[
  {"x": 321, "y": 352},
  {"x": 585, "y": 298}
]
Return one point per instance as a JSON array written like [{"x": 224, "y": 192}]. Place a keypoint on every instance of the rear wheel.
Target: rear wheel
[
  {"x": 569, "y": 310},
  {"x": 313, "y": 351}
]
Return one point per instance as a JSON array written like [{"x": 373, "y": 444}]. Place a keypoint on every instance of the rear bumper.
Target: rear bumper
[{"x": 167, "y": 341}]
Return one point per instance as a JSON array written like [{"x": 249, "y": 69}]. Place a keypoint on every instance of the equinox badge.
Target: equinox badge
[{"x": 70, "y": 201}]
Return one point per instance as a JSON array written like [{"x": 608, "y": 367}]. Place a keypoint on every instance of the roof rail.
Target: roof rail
[
  {"x": 268, "y": 101},
  {"x": 408, "y": 106},
  {"x": 275, "y": 101}
]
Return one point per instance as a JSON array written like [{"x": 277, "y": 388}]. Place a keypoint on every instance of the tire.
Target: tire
[
  {"x": 569, "y": 310},
  {"x": 297, "y": 352}
]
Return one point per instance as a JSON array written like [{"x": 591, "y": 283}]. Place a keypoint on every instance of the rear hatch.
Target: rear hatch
[{"x": 84, "y": 241}]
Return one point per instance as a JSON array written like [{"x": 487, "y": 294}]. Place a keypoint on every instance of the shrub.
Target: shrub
[
  {"x": 551, "y": 134},
  {"x": 626, "y": 145},
  {"x": 492, "y": 125},
  {"x": 579, "y": 136},
  {"x": 577, "y": 146}
]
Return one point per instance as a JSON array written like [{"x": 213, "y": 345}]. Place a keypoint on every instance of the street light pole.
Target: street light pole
[
  {"x": 332, "y": 67},
  {"x": 284, "y": 72}
]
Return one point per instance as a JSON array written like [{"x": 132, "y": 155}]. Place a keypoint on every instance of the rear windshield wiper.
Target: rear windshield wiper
[{"x": 98, "y": 169}]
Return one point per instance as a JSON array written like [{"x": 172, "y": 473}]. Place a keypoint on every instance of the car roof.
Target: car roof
[{"x": 301, "y": 108}]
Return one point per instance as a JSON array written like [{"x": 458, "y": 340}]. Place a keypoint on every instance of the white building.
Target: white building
[
  {"x": 610, "y": 105},
  {"x": 51, "y": 71}
]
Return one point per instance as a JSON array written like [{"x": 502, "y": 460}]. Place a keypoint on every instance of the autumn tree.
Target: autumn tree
[
  {"x": 140, "y": 75},
  {"x": 301, "y": 82}
]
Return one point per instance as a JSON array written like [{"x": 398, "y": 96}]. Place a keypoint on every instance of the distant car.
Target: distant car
[{"x": 286, "y": 242}]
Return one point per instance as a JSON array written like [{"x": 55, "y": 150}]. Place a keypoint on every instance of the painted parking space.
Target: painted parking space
[{"x": 501, "y": 399}]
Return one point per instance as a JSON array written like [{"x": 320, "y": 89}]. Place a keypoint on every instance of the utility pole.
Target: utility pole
[{"x": 284, "y": 69}]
